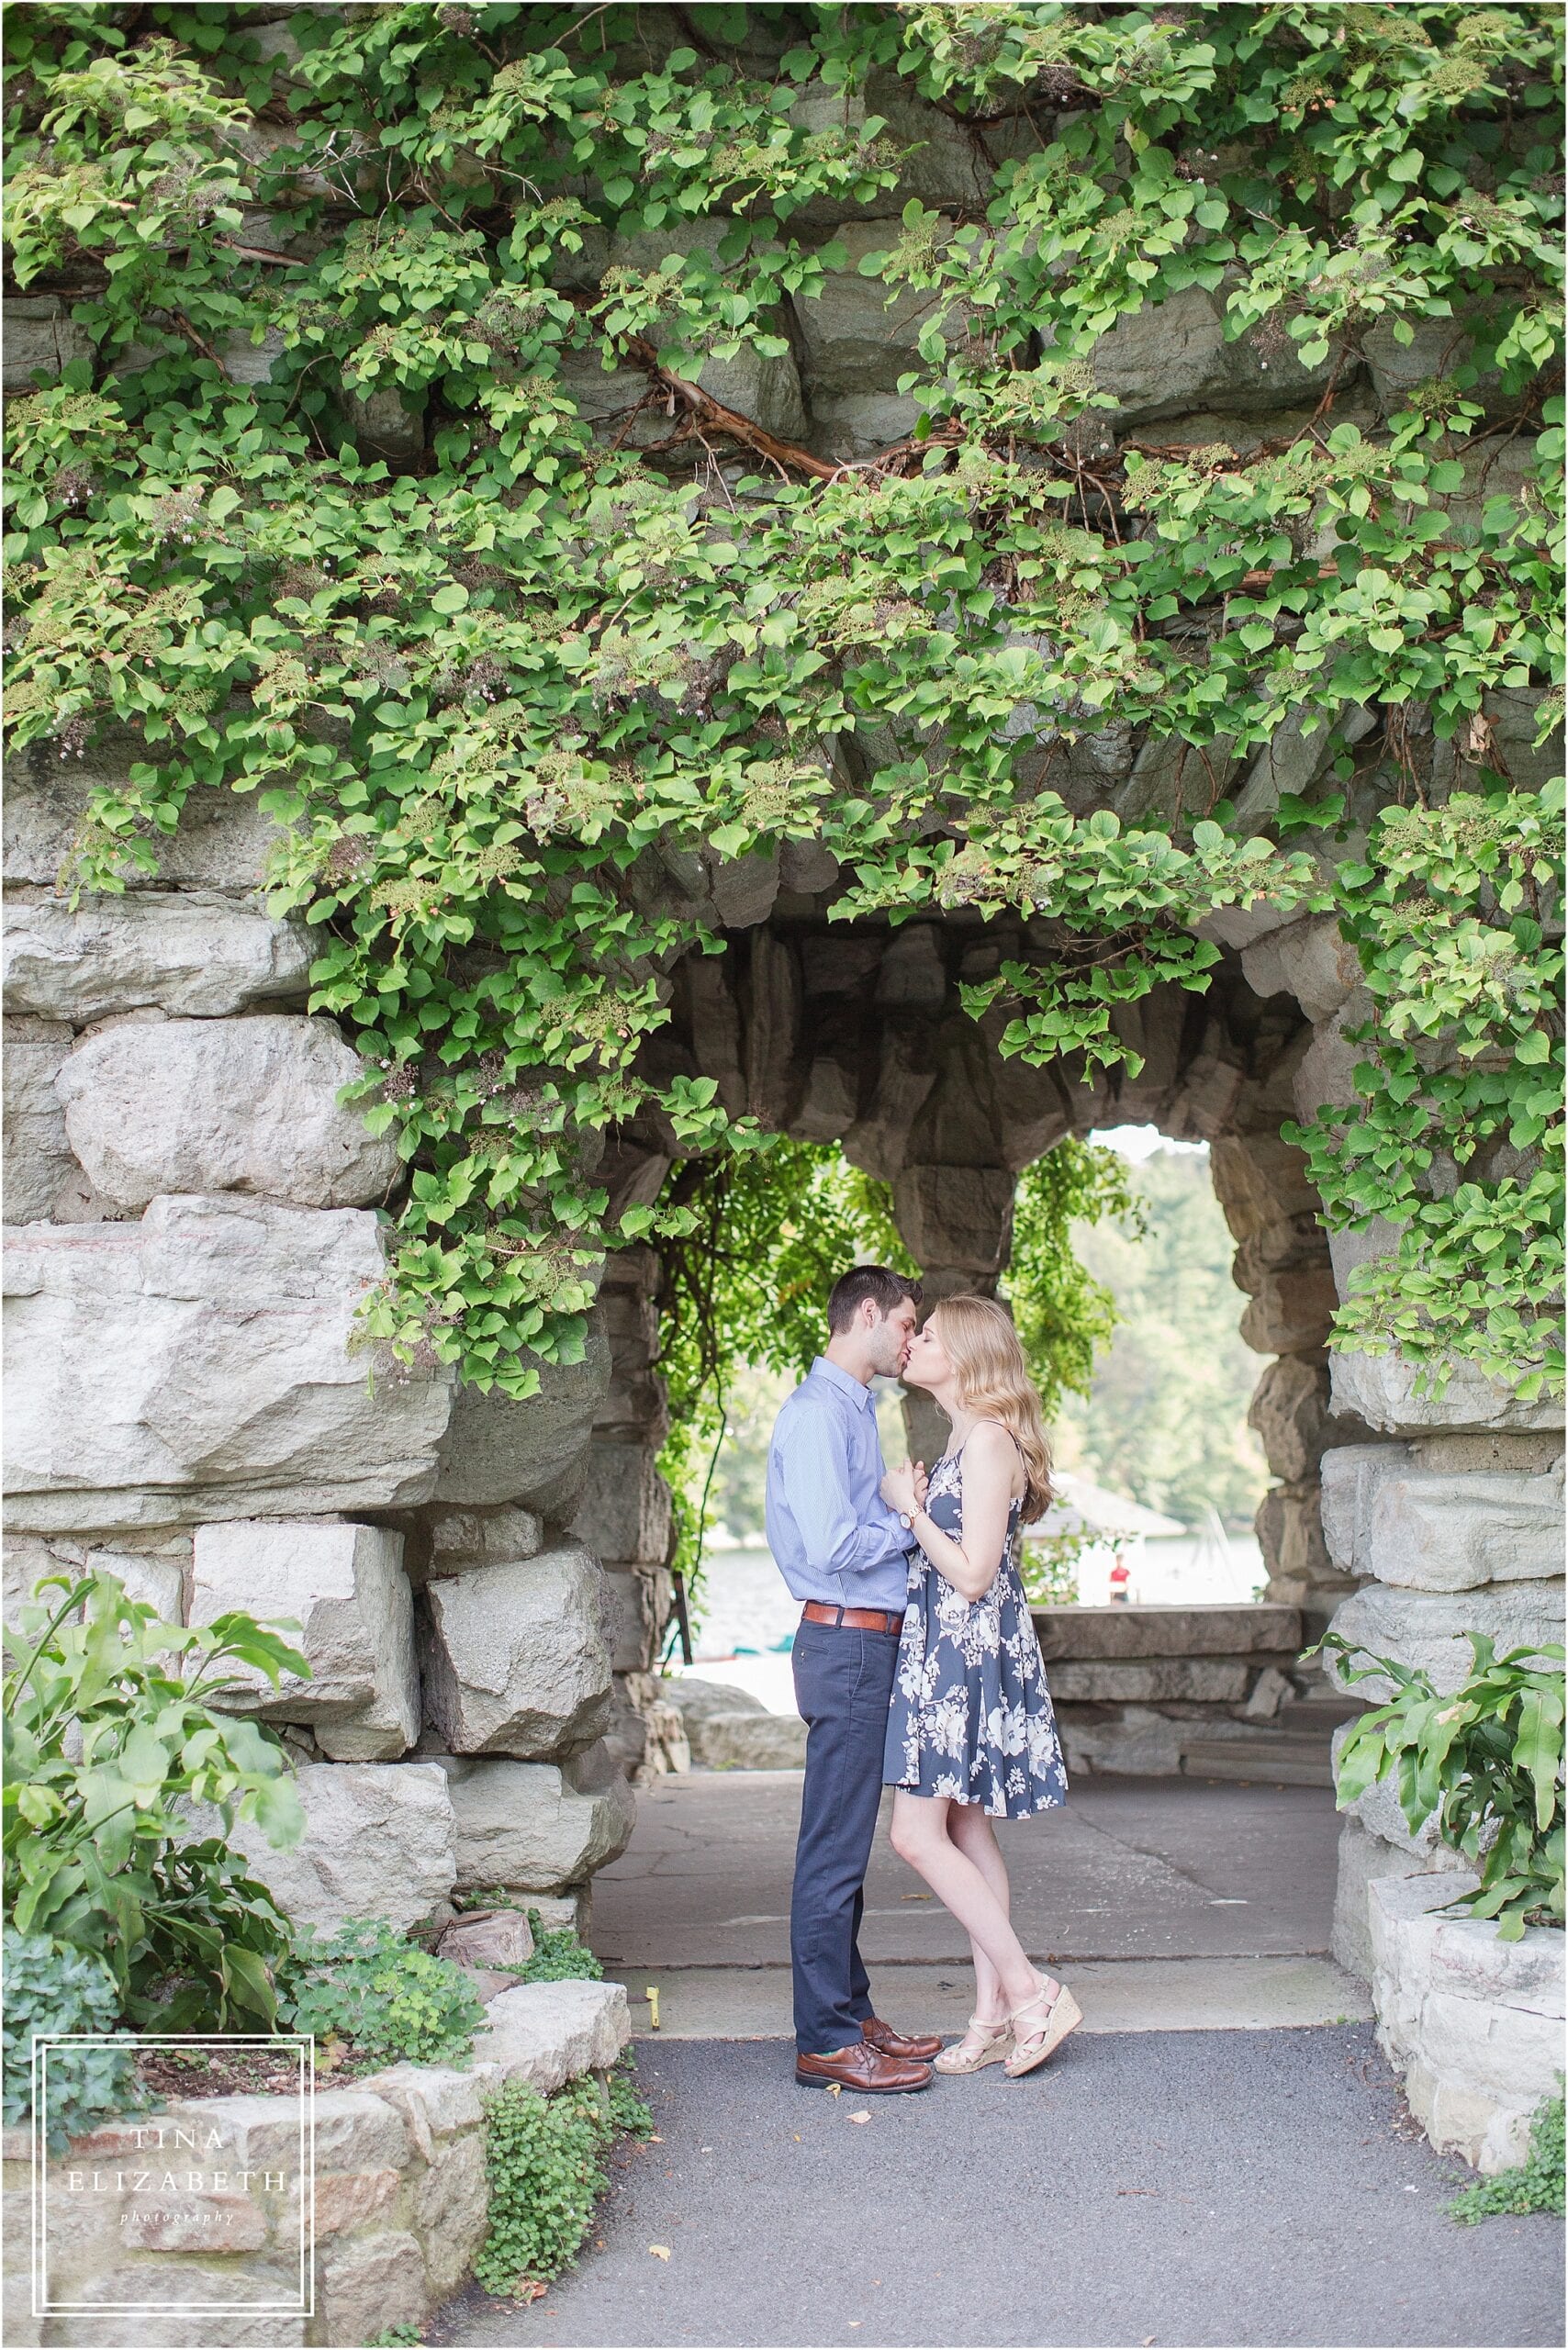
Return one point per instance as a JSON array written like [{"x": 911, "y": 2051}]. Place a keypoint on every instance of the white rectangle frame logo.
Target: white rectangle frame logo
[{"x": 304, "y": 2046}]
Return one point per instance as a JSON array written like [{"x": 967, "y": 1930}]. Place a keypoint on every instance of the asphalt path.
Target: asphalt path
[{"x": 1232, "y": 2188}]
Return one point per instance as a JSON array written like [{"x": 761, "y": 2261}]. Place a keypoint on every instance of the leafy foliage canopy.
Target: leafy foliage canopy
[{"x": 325, "y": 516}]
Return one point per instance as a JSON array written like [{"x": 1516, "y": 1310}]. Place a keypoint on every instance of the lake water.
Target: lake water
[{"x": 748, "y": 1616}]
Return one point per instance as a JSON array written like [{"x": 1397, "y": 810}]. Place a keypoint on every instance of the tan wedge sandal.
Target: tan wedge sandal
[
  {"x": 994, "y": 2040},
  {"x": 1039, "y": 2027}
]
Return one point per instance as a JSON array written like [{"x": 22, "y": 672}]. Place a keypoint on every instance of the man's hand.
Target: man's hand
[{"x": 899, "y": 1489}]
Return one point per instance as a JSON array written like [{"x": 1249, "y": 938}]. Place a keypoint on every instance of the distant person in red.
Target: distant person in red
[{"x": 1121, "y": 1577}]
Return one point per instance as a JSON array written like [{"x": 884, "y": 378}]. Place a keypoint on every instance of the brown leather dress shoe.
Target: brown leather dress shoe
[
  {"x": 916, "y": 2045},
  {"x": 864, "y": 2069}
]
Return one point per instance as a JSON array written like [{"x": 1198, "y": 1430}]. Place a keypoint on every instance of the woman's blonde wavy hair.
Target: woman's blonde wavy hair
[{"x": 981, "y": 1344}]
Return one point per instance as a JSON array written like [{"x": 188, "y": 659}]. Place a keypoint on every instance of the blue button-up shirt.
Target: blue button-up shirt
[{"x": 833, "y": 1535}]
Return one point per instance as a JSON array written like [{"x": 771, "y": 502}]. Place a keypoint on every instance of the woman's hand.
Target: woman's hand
[
  {"x": 899, "y": 1490},
  {"x": 922, "y": 1484}
]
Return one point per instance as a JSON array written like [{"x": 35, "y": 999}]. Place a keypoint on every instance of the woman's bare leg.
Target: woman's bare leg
[
  {"x": 972, "y": 1831},
  {"x": 920, "y": 1835}
]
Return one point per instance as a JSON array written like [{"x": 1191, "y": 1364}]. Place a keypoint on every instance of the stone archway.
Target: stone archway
[
  {"x": 854, "y": 1033},
  {"x": 482, "y": 1582}
]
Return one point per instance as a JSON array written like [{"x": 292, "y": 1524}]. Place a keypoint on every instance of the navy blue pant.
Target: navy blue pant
[{"x": 843, "y": 1685}]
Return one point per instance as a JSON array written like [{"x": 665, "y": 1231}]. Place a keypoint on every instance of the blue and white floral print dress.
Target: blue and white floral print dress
[{"x": 971, "y": 1714}]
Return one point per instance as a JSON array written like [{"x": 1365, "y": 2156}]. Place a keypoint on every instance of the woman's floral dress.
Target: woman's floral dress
[{"x": 971, "y": 1714}]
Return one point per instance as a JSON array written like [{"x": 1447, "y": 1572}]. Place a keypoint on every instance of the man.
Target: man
[{"x": 844, "y": 1553}]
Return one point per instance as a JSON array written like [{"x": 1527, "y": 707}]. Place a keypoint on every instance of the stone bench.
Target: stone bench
[{"x": 1215, "y": 1690}]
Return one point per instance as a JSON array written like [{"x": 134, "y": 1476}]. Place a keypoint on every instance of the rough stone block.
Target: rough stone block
[
  {"x": 941, "y": 166},
  {"x": 434, "y": 2099},
  {"x": 1381, "y": 1390},
  {"x": 240, "y": 1105},
  {"x": 1475, "y": 2021},
  {"x": 1309, "y": 960},
  {"x": 742, "y": 889},
  {"x": 342, "y": 2200},
  {"x": 380, "y": 1842},
  {"x": 1436, "y": 348},
  {"x": 624, "y": 1514},
  {"x": 860, "y": 424},
  {"x": 370, "y": 2283},
  {"x": 1289, "y": 1412},
  {"x": 451, "y": 2202},
  {"x": 1260, "y": 1181},
  {"x": 224, "y": 841},
  {"x": 1378, "y": 1810},
  {"x": 695, "y": 1699},
  {"x": 1385, "y": 1513},
  {"x": 1173, "y": 356},
  {"x": 200, "y": 953},
  {"x": 1123, "y": 1742},
  {"x": 206, "y": 2224},
  {"x": 353, "y": 2130},
  {"x": 1267, "y": 1695},
  {"x": 639, "y": 1603},
  {"x": 1212, "y": 1680},
  {"x": 1363, "y": 1859},
  {"x": 830, "y": 1103},
  {"x": 1290, "y": 1534},
  {"x": 460, "y": 1538},
  {"x": 955, "y": 1216},
  {"x": 746, "y": 1741},
  {"x": 855, "y": 339},
  {"x": 1094, "y": 1633},
  {"x": 1292, "y": 761},
  {"x": 516, "y": 1657},
  {"x": 196, "y": 1365},
  {"x": 767, "y": 390},
  {"x": 1292, "y": 1310},
  {"x": 1470, "y": 1960},
  {"x": 499, "y": 1937},
  {"x": 155, "y": 1576},
  {"x": 183, "y": 2317},
  {"x": 549, "y": 2033},
  {"x": 1426, "y": 1628},
  {"x": 537, "y": 1827},
  {"x": 40, "y": 338},
  {"x": 344, "y": 1585},
  {"x": 532, "y": 1454},
  {"x": 38, "y": 1163}
]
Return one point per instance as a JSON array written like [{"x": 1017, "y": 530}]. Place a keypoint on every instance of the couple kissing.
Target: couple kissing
[{"x": 917, "y": 1667}]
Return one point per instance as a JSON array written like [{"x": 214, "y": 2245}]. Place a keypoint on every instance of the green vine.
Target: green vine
[{"x": 511, "y": 688}]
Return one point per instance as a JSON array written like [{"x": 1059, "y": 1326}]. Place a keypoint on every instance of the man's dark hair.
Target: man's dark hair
[{"x": 888, "y": 1290}]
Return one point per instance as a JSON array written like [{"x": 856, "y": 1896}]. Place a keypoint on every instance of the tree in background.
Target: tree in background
[
  {"x": 1165, "y": 1419},
  {"x": 1063, "y": 1313}
]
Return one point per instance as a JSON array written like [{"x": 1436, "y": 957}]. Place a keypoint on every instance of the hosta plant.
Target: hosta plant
[
  {"x": 111, "y": 1740},
  {"x": 1483, "y": 1762}
]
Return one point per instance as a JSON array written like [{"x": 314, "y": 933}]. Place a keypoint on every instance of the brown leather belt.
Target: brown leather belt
[{"x": 853, "y": 1619}]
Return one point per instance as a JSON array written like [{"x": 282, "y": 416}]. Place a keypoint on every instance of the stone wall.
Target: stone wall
[
  {"x": 394, "y": 2197},
  {"x": 193, "y": 1230},
  {"x": 1474, "y": 2023}
]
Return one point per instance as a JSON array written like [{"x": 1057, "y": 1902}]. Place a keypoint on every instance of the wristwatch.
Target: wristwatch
[{"x": 906, "y": 1521}]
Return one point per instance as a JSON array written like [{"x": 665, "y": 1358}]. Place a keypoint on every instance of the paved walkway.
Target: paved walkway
[
  {"x": 1173, "y": 1901},
  {"x": 1177, "y": 2175},
  {"x": 1192, "y": 2187}
]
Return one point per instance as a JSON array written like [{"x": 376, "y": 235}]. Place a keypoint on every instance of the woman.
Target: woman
[{"x": 971, "y": 1735}]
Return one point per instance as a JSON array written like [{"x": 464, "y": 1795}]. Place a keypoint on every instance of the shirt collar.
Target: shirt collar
[{"x": 836, "y": 1377}]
